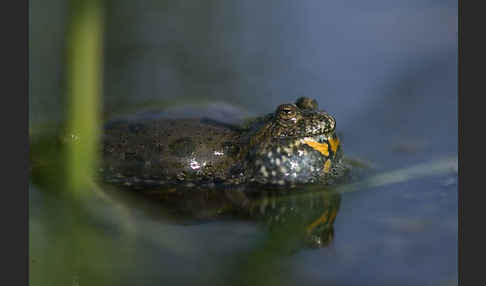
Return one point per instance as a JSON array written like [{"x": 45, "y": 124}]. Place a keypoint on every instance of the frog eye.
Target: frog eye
[
  {"x": 306, "y": 103},
  {"x": 287, "y": 111}
]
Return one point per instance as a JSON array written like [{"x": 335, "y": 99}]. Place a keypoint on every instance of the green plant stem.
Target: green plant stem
[{"x": 84, "y": 68}]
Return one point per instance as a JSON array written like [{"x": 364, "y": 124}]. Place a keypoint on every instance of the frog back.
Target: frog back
[{"x": 167, "y": 150}]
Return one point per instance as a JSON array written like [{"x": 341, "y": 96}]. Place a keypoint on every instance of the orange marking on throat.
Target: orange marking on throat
[
  {"x": 327, "y": 166},
  {"x": 334, "y": 142},
  {"x": 323, "y": 148}
]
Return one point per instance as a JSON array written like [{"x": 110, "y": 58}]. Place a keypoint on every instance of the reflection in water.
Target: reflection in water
[
  {"x": 304, "y": 217},
  {"x": 307, "y": 216}
]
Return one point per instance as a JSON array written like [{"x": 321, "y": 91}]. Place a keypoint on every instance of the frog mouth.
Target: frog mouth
[{"x": 318, "y": 132}]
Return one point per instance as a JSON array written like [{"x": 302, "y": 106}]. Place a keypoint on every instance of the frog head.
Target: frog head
[{"x": 295, "y": 144}]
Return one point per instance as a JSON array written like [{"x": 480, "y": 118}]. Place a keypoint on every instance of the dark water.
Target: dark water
[{"x": 387, "y": 72}]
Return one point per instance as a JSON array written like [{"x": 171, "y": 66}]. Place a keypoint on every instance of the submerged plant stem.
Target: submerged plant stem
[{"x": 436, "y": 167}]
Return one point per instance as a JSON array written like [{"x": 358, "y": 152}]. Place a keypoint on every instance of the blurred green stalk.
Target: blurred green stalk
[{"x": 84, "y": 88}]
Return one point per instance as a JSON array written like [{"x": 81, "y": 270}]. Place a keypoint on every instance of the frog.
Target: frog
[{"x": 295, "y": 144}]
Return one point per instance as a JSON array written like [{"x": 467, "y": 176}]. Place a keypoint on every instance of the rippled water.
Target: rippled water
[{"x": 386, "y": 72}]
